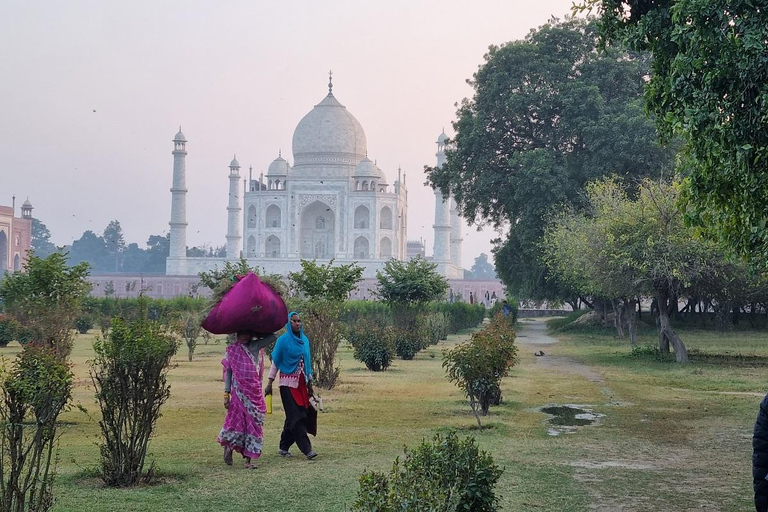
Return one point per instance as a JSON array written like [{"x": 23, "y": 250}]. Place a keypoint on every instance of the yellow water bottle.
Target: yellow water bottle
[{"x": 269, "y": 403}]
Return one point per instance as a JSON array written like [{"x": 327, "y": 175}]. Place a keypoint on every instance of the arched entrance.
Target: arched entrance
[
  {"x": 272, "y": 249},
  {"x": 317, "y": 234}
]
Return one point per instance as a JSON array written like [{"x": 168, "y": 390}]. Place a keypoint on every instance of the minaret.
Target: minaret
[
  {"x": 442, "y": 226},
  {"x": 456, "y": 239},
  {"x": 233, "y": 212},
  {"x": 176, "y": 263}
]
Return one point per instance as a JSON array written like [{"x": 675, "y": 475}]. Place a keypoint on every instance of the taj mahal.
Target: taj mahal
[{"x": 332, "y": 202}]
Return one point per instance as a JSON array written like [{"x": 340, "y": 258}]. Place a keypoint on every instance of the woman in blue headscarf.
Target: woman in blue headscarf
[{"x": 291, "y": 357}]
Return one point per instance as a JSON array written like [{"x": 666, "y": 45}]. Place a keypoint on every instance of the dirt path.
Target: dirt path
[{"x": 532, "y": 335}]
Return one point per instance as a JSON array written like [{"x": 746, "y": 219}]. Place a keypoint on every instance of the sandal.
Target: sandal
[{"x": 227, "y": 455}]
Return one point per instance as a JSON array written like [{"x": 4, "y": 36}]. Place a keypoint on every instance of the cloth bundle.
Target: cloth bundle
[{"x": 249, "y": 305}]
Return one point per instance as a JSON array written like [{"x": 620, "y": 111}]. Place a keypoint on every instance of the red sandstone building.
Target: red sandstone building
[{"x": 15, "y": 236}]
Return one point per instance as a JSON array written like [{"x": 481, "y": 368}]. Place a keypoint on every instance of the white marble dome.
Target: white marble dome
[
  {"x": 366, "y": 169},
  {"x": 329, "y": 134},
  {"x": 278, "y": 167}
]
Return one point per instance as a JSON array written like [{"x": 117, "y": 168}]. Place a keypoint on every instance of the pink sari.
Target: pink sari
[{"x": 243, "y": 426}]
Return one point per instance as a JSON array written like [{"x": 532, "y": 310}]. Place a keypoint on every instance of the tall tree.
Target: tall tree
[
  {"x": 91, "y": 248},
  {"x": 549, "y": 114},
  {"x": 158, "y": 249},
  {"x": 710, "y": 85},
  {"x": 41, "y": 240},
  {"x": 482, "y": 268},
  {"x": 633, "y": 247},
  {"x": 114, "y": 242}
]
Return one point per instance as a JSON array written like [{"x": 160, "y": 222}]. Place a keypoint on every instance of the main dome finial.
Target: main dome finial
[{"x": 330, "y": 82}]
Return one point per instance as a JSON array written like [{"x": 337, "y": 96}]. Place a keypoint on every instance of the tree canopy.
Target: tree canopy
[
  {"x": 549, "y": 114},
  {"x": 46, "y": 298},
  {"x": 481, "y": 269},
  {"x": 410, "y": 283},
  {"x": 627, "y": 248},
  {"x": 326, "y": 282},
  {"x": 709, "y": 83}
]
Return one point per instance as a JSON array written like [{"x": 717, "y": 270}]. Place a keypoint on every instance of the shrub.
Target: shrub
[
  {"x": 447, "y": 475},
  {"x": 35, "y": 391},
  {"x": 46, "y": 299},
  {"x": 84, "y": 323},
  {"x": 408, "y": 342},
  {"x": 189, "y": 328},
  {"x": 478, "y": 365},
  {"x": 460, "y": 314},
  {"x": 374, "y": 345},
  {"x": 129, "y": 373},
  {"x": 434, "y": 327},
  {"x": 8, "y": 330}
]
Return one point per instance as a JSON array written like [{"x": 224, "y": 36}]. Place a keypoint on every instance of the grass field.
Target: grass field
[{"x": 672, "y": 438}]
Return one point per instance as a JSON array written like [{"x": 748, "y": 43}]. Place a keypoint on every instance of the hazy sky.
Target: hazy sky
[{"x": 93, "y": 92}]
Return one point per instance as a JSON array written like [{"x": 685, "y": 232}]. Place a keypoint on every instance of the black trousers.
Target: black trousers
[{"x": 295, "y": 426}]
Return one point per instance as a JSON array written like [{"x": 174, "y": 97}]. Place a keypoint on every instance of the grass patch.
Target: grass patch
[{"x": 671, "y": 437}]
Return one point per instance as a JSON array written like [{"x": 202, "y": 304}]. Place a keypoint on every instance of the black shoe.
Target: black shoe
[
  {"x": 311, "y": 455},
  {"x": 284, "y": 453}
]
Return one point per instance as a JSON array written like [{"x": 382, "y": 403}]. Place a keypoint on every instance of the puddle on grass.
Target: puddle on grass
[{"x": 567, "y": 418}]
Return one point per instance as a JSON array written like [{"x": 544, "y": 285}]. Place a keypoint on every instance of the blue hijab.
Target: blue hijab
[{"x": 290, "y": 349}]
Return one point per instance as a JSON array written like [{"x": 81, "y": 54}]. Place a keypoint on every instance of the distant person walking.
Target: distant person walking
[
  {"x": 292, "y": 359},
  {"x": 243, "y": 430},
  {"x": 760, "y": 458}
]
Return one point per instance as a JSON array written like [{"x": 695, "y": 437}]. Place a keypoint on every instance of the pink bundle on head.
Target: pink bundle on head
[{"x": 249, "y": 305}]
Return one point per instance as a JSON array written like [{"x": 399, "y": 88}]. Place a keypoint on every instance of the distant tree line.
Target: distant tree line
[{"x": 108, "y": 251}]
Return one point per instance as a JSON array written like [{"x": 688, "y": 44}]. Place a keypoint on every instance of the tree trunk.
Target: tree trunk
[
  {"x": 631, "y": 319},
  {"x": 666, "y": 333},
  {"x": 618, "y": 317}
]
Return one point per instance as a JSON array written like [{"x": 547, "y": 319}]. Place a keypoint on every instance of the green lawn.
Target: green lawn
[{"x": 672, "y": 438}]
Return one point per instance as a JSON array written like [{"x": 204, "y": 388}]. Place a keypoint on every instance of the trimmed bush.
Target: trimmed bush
[
  {"x": 374, "y": 345},
  {"x": 447, "y": 475},
  {"x": 84, "y": 323},
  {"x": 408, "y": 342},
  {"x": 434, "y": 327}
]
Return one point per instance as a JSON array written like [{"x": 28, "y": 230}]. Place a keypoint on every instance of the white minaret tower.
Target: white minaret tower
[
  {"x": 176, "y": 263},
  {"x": 234, "y": 239},
  {"x": 442, "y": 226},
  {"x": 456, "y": 238}
]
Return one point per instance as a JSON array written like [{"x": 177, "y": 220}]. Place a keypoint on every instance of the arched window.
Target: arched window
[
  {"x": 277, "y": 184},
  {"x": 357, "y": 185},
  {"x": 272, "y": 249},
  {"x": 365, "y": 185},
  {"x": 385, "y": 248},
  {"x": 251, "y": 247},
  {"x": 362, "y": 217},
  {"x": 269, "y": 184},
  {"x": 361, "y": 248},
  {"x": 252, "y": 219},
  {"x": 373, "y": 186},
  {"x": 272, "y": 216},
  {"x": 16, "y": 262},
  {"x": 385, "y": 218}
]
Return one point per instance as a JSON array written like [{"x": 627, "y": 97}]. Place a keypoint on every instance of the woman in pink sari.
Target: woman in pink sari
[{"x": 243, "y": 398}]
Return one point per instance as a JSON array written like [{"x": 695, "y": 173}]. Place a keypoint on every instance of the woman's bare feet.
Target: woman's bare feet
[{"x": 227, "y": 455}]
